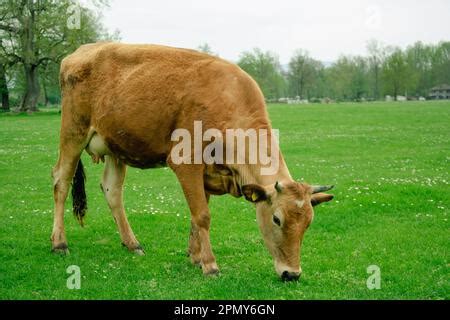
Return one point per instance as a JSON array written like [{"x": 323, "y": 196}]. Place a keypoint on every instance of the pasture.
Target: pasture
[{"x": 390, "y": 165}]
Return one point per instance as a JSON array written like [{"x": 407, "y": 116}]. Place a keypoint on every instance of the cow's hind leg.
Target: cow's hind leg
[
  {"x": 63, "y": 174},
  {"x": 112, "y": 187}
]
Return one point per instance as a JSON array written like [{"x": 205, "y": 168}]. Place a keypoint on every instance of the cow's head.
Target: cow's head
[{"x": 284, "y": 211}]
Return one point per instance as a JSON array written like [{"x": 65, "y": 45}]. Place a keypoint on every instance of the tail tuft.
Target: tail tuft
[{"x": 79, "y": 194}]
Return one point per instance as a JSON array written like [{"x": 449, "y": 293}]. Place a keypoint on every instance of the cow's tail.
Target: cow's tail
[{"x": 79, "y": 201}]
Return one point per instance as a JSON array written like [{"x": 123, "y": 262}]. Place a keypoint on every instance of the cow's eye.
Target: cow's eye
[{"x": 276, "y": 220}]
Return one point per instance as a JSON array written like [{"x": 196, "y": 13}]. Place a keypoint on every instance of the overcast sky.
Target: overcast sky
[{"x": 324, "y": 28}]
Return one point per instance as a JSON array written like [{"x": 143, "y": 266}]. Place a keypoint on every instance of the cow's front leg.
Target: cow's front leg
[
  {"x": 191, "y": 180},
  {"x": 194, "y": 249}
]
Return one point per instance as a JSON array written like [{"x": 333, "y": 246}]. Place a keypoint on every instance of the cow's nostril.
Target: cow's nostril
[{"x": 290, "y": 276}]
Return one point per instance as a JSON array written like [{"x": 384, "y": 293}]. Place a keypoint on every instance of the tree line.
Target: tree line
[
  {"x": 35, "y": 35},
  {"x": 384, "y": 70}
]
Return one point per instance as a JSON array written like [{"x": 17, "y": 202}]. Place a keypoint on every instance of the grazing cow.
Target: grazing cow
[{"x": 122, "y": 103}]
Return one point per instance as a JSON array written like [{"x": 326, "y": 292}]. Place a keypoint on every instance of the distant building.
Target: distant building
[
  {"x": 440, "y": 92},
  {"x": 297, "y": 100},
  {"x": 397, "y": 98}
]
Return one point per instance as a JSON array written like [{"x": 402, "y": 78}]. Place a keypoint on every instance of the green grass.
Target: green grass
[{"x": 390, "y": 164}]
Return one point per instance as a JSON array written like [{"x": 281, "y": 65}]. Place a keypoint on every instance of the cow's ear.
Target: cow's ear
[
  {"x": 254, "y": 193},
  {"x": 318, "y": 198}
]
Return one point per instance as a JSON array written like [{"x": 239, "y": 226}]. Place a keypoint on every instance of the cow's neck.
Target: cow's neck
[{"x": 251, "y": 174}]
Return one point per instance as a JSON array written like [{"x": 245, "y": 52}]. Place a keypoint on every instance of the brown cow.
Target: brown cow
[{"x": 121, "y": 103}]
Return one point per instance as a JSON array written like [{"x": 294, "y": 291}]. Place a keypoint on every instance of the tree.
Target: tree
[
  {"x": 303, "y": 73},
  {"x": 321, "y": 88},
  {"x": 6, "y": 61},
  {"x": 347, "y": 78},
  {"x": 359, "y": 84},
  {"x": 4, "y": 88},
  {"x": 40, "y": 33},
  {"x": 375, "y": 61},
  {"x": 265, "y": 68},
  {"x": 440, "y": 71},
  {"x": 8, "y": 58},
  {"x": 206, "y": 48},
  {"x": 48, "y": 73},
  {"x": 397, "y": 74}
]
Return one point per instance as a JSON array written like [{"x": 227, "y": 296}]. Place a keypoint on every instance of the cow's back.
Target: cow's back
[{"x": 136, "y": 95}]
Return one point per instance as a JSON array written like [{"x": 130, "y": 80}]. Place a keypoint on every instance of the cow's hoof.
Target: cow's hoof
[
  {"x": 136, "y": 249},
  {"x": 139, "y": 251},
  {"x": 61, "y": 249},
  {"x": 211, "y": 270},
  {"x": 212, "y": 273}
]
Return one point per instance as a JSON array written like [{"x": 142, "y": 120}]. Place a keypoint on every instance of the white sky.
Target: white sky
[{"x": 324, "y": 28}]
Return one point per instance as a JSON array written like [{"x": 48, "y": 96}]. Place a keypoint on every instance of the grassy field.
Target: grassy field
[{"x": 390, "y": 165}]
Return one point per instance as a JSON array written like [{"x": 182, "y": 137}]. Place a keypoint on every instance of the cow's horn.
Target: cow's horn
[
  {"x": 278, "y": 186},
  {"x": 317, "y": 189}
]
